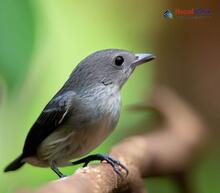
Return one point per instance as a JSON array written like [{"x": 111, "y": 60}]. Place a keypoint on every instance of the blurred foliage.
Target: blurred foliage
[
  {"x": 17, "y": 38},
  {"x": 40, "y": 43}
]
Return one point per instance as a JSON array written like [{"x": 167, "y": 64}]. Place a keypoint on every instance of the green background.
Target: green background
[{"x": 41, "y": 42}]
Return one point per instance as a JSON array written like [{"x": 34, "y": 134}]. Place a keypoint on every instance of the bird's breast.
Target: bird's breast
[{"x": 105, "y": 118}]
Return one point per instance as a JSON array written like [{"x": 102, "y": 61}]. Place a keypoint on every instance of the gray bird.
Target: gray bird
[{"x": 82, "y": 113}]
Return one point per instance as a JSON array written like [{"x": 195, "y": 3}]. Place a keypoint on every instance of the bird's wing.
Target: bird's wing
[{"x": 53, "y": 115}]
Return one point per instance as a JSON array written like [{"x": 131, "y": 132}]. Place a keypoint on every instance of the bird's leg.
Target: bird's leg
[
  {"x": 102, "y": 157},
  {"x": 56, "y": 170}
]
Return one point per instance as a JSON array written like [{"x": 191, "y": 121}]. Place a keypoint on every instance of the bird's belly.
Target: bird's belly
[
  {"x": 89, "y": 139},
  {"x": 70, "y": 143}
]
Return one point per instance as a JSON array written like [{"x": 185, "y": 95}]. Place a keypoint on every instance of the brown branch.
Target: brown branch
[{"x": 169, "y": 150}]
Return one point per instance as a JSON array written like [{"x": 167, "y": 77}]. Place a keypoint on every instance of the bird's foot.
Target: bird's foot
[
  {"x": 56, "y": 170},
  {"x": 103, "y": 157}
]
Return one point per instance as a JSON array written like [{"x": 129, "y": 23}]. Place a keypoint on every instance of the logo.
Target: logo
[
  {"x": 187, "y": 13},
  {"x": 168, "y": 14}
]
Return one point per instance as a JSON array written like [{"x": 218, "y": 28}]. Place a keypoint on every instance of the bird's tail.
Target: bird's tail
[{"x": 17, "y": 163}]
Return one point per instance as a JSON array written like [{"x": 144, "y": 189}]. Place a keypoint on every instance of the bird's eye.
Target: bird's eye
[{"x": 119, "y": 60}]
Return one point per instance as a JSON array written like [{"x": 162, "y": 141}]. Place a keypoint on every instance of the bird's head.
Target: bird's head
[{"x": 109, "y": 67}]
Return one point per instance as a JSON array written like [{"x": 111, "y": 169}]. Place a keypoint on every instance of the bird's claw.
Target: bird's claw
[
  {"x": 103, "y": 157},
  {"x": 115, "y": 163}
]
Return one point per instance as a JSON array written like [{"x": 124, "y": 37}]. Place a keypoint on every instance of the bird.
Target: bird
[{"x": 81, "y": 114}]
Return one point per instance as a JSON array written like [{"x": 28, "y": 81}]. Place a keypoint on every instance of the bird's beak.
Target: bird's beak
[{"x": 142, "y": 58}]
